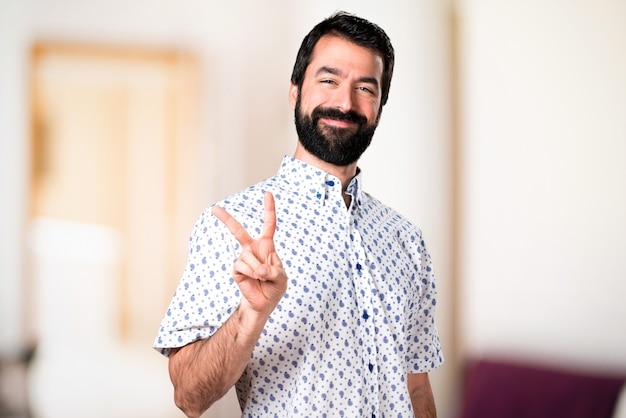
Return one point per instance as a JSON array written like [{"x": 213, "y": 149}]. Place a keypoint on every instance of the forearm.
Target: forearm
[
  {"x": 421, "y": 396},
  {"x": 202, "y": 372}
]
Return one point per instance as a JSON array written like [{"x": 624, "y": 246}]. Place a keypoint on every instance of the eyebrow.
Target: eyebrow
[{"x": 335, "y": 71}]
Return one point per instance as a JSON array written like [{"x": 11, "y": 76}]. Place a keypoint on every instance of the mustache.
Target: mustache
[{"x": 336, "y": 114}]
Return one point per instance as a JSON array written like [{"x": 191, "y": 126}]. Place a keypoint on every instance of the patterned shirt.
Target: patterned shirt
[{"x": 357, "y": 315}]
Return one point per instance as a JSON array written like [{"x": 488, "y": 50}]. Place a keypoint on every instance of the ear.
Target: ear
[{"x": 293, "y": 95}]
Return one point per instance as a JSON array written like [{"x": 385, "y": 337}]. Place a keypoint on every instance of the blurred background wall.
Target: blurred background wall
[
  {"x": 543, "y": 146},
  {"x": 504, "y": 139}
]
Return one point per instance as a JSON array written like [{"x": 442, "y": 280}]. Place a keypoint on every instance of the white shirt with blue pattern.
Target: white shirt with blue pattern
[{"x": 358, "y": 314}]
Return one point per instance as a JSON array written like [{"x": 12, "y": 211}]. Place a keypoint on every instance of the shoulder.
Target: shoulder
[
  {"x": 387, "y": 217},
  {"x": 248, "y": 201}
]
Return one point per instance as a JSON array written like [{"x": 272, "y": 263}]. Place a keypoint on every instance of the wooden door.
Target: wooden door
[{"x": 111, "y": 130}]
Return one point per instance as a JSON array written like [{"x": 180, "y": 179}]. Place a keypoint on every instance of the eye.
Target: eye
[
  {"x": 327, "y": 81},
  {"x": 365, "y": 89}
]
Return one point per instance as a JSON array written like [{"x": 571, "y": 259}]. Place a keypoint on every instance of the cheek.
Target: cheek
[
  {"x": 312, "y": 99},
  {"x": 370, "y": 111},
  {"x": 312, "y": 96}
]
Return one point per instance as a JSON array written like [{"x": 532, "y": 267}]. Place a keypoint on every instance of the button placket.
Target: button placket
[{"x": 363, "y": 286}]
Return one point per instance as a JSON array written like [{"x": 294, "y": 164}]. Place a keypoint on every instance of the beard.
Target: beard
[{"x": 335, "y": 145}]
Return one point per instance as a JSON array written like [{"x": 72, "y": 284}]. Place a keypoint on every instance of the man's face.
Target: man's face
[{"x": 338, "y": 106}]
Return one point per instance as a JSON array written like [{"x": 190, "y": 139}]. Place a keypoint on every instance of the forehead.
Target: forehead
[{"x": 336, "y": 52}]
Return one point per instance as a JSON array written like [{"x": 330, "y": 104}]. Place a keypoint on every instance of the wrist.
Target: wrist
[{"x": 250, "y": 321}]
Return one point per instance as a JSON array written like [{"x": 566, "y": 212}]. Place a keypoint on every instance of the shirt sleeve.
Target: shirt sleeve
[
  {"x": 423, "y": 349},
  {"x": 207, "y": 294}
]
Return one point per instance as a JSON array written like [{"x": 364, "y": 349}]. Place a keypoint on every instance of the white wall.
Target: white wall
[
  {"x": 13, "y": 170},
  {"x": 544, "y": 179}
]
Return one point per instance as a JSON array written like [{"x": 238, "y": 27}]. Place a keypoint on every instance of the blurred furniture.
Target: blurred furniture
[
  {"x": 14, "y": 383},
  {"x": 509, "y": 389}
]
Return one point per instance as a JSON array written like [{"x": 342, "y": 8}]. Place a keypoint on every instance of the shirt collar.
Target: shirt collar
[{"x": 316, "y": 184}]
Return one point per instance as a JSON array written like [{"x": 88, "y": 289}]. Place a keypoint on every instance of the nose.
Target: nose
[{"x": 343, "y": 98}]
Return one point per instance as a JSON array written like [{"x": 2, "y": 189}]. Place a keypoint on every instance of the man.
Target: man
[{"x": 305, "y": 292}]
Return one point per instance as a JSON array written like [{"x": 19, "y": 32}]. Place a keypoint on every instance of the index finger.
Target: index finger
[{"x": 235, "y": 228}]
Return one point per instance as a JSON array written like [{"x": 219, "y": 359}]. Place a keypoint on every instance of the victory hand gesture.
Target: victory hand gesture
[{"x": 258, "y": 271}]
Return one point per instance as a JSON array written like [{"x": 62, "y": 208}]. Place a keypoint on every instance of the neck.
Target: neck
[{"x": 343, "y": 173}]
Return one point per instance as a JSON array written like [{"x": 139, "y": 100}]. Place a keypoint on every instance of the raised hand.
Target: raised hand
[{"x": 258, "y": 271}]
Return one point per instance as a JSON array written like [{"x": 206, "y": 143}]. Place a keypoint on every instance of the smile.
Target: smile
[{"x": 337, "y": 122}]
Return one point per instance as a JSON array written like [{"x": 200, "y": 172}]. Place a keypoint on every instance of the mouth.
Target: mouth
[{"x": 338, "y": 123}]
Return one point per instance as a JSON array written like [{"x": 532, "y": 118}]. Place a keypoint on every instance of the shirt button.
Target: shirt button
[
  {"x": 330, "y": 183},
  {"x": 371, "y": 366},
  {"x": 365, "y": 315},
  {"x": 358, "y": 266}
]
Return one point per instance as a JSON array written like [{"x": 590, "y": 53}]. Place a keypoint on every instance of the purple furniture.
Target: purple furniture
[{"x": 506, "y": 389}]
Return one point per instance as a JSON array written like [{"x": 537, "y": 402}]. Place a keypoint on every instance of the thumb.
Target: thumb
[{"x": 262, "y": 272}]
